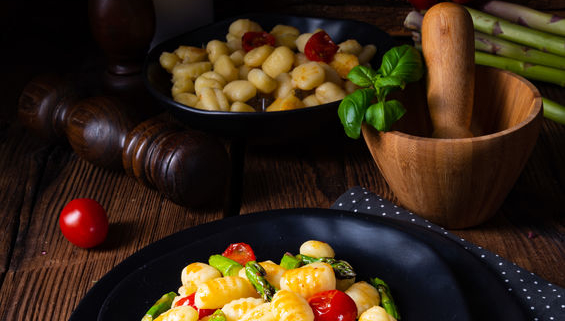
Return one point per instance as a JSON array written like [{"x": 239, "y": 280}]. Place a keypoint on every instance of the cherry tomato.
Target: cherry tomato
[
  {"x": 189, "y": 301},
  {"x": 84, "y": 222},
  {"x": 239, "y": 252},
  {"x": 320, "y": 47},
  {"x": 333, "y": 305},
  {"x": 423, "y": 4},
  {"x": 254, "y": 39}
]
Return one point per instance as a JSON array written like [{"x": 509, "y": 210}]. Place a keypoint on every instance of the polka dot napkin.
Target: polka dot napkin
[{"x": 542, "y": 300}]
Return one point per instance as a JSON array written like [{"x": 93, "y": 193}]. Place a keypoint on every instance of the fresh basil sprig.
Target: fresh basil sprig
[{"x": 400, "y": 65}]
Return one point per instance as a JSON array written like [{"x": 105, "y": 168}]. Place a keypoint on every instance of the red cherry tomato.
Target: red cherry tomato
[
  {"x": 84, "y": 222},
  {"x": 320, "y": 47},
  {"x": 333, "y": 305},
  {"x": 189, "y": 301},
  {"x": 254, "y": 39},
  {"x": 239, "y": 252},
  {"x": 423, "y": 4}
]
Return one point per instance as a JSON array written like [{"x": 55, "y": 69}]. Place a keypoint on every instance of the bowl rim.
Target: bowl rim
[{"x": 531, "y": 117}]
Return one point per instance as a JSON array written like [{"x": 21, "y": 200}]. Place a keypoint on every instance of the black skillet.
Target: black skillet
[{"x": 262, "y": 126}]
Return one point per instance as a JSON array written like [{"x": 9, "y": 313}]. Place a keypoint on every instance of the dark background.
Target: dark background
[{"x": 54, "y": 35}]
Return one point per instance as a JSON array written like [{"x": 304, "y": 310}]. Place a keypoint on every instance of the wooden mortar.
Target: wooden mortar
[{"x": 453, "y": 179}]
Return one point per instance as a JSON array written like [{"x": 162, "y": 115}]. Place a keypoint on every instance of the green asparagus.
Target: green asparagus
[
  {"x": 160, "y": 306},
  {"x": 527, "y": 70},
  {"x": 218, "y": 315},
  {"x": 526, "y": 16},
  {"x": 256, "y": 275},
  {"x": 342, "y": 269},
  {"x": 226, "y": 266},
  {"x": 387, "y": 302},
  {"x": 554, "y": 111},
  {"x": 289, "y": 261},
  {"x": 504, "y": 29},
  {"x": 494, "y": 45},
  {"x": 500, "y": 47}
]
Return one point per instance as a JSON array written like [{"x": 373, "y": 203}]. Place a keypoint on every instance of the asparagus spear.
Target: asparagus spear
[
  {"x": 530, "y": 71},
  {"x": 526, "y": 16},
  {"x": 504, "y": 29},
  {"x": 218, "y": 315},
  {"x": 387, "y": 302},
  {"x": 500, "y": 47},
  {"x": 160, "y": 306},
  {"x": 495, "y": 45},
  {"x": 413, "y": 20},
  {"x": 226, "y": 266},
  {"x": 554, "y": 111},
  {"x": 342, "y": 269},
  {"x": 256, "y": 275},
  {"x": 289, "y": 261}
]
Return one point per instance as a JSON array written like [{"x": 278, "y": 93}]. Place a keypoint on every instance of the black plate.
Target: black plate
[
  {"x": 282, "y": 124},
  {"x": 422, "y": 283},
  {"x": 349, "y": 233}
]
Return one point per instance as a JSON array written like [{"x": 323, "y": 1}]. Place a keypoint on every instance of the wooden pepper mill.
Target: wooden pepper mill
[
  {"x": 124, "y": 30},
  {"x": 191, "y": 168}
]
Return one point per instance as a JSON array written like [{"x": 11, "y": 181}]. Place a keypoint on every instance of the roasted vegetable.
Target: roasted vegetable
[
  {"x": 160, "y": 306},
  {"x": 256, "y": 275},
  {"x": 226, "y": 266},
  {"x": 289, "y": 261},
  {"x": 342, "y": 269},
  {"x": 387, "y": 302}
]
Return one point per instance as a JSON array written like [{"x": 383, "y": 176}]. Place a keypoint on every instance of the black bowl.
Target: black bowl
[{"x": 264, "y": 125}]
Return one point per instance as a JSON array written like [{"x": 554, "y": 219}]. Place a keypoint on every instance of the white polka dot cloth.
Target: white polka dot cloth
[{"x": 542, "y": 300}]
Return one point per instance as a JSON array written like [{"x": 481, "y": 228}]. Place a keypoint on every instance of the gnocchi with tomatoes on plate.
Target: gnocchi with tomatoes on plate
[
  {"x": 310, "y": 286},
  {"x": 253, "y": 70}
]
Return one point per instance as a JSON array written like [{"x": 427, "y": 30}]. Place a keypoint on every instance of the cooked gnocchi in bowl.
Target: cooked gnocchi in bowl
[
  {"x": 311, "y": 286},
  {"x": 215, "y": 79},
  {"x": 254, "y": 70}
]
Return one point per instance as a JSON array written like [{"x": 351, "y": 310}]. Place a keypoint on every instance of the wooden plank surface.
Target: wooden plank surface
[{"x": 42, "y": 276}]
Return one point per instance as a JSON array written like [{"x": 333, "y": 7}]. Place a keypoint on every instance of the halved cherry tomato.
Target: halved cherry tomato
[
  {"x": 239, "y": 252},
  {"x": 333, "y": 305},
  {"x": 254, "y": 39},
  {"x": 320, "y": 47},
  {"x": 84, "y": 222},
  {"x": 189, "y": 301}
]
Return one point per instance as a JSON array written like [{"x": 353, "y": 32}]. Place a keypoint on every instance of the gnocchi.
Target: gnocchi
[
  {"x": 364, "y": 295},
  {"x": 278, "y": 70},
  {"x": 301, "y": 289}
]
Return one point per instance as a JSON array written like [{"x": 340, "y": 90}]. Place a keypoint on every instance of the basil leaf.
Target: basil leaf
[
  {"x": 362, "y": 76},
  {"x": 383, "y": 114},
  {"x": 352, "y": 109},
  {"x": 404, "y": 62},
  {"x": 389, "y": 81}
]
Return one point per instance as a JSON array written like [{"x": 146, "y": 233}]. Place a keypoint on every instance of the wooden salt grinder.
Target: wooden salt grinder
[
  {"x": 189, "y": 167},
  {"x": 449, "y": 52}
]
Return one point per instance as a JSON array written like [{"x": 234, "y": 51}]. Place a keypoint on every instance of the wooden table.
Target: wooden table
[{"x": 43, "y": 276}]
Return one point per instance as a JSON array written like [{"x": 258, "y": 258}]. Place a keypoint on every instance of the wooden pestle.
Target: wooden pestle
[
  {"x": 449, "y": 52},
  {"x": 189, "y": 167}
]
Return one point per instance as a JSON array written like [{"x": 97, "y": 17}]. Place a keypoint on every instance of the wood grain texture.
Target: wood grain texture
[
  {"x": 138, "y": 216},
  {"x": 42, "y": 276},
  {"x": 449, "y": 55},
  {"x": 458, "y": 183}
]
